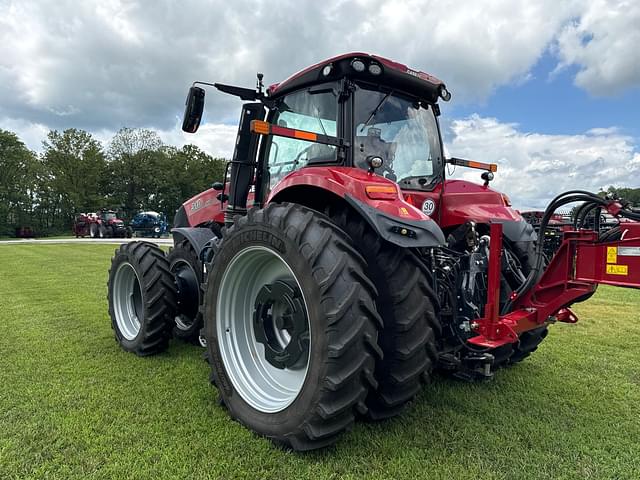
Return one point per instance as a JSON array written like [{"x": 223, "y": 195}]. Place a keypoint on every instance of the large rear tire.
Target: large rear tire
[
  {"x": 291, "y": 326},
  {"x": 141, "y": 295},
  {"x": 411, "y": 326}
]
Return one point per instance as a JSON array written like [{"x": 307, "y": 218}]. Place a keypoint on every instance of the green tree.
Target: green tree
[
  {"x": 74, "y": 164},
  {"x": 133, "y": 156},
  {"x": 631, "y": 195},
  {"x": 19, "y": 173},
  {"x": 192, "y": 171}
]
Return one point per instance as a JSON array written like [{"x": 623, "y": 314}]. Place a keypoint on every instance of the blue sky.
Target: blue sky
[
  {"x": 551, "y": 103},
  {"x": 549, "y": 90}
]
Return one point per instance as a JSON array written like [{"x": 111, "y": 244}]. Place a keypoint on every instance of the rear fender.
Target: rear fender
[
  {"x": 197, "y": 237},
  {"x": 392, "y": 218}
]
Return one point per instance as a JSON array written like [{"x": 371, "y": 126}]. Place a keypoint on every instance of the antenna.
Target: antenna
[{"x": 259, "y": 84}]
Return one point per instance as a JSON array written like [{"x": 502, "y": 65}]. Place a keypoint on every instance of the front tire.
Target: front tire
[
  {"x": 141, "y": 298},
  {"x": 291, "y": 326}
]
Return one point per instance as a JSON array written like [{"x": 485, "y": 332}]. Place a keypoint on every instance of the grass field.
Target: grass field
[{"x": 73, "y": 405}]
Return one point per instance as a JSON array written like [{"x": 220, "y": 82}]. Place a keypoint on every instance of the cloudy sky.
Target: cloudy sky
[{"x": 550, "y": 90}]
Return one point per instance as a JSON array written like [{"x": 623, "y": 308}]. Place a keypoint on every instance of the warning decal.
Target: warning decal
[
  {"x": 618, "y": 269},
  {"x": 612, "y": 255}
]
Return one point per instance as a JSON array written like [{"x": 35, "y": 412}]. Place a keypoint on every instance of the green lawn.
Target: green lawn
[{"x": 73, "y": 405}]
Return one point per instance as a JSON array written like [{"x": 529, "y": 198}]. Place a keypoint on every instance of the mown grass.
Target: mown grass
[{"x": 73, "y": 405}]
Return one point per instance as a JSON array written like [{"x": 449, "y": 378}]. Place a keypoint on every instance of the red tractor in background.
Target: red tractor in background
[
  {"x": 338, "y": 268},
  {"x": 104, "y": 224}
]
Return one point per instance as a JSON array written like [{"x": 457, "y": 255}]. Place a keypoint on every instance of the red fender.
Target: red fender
[{"x": 350, "y": 181}]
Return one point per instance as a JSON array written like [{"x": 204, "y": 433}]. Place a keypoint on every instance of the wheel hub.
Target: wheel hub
[
  {"x": 280, "y": 324},
  {"x": 187, "y": 292}
]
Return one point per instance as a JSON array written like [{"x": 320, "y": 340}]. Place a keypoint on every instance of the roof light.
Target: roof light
[
  {"x": 375, "y": 69},
  {"x": 358, "y": 65},
  {"x": 326, "y": 71}
]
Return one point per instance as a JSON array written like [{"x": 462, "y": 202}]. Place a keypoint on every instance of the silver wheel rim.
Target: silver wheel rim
[
  {"x": 127, "y": 301},
  {"x": 263, "y": 386}
]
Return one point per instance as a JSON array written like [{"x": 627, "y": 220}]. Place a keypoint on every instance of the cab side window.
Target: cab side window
[{"x": 313, "y": 110}]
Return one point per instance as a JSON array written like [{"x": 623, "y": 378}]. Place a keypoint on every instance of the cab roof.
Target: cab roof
[{"x": 392, "y": 74}]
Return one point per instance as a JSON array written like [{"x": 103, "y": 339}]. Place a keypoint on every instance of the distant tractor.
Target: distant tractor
[
  {"x": 104, "y": 224},
  {"x": 338, "y": 268},
  {"x": 149, "y": 224}
]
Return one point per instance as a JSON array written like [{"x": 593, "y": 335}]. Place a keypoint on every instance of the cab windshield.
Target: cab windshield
[{"x": 400, "y": 130}]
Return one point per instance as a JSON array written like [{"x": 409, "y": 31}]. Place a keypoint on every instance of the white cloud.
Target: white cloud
[
  {"x": 217, "y": 140},
  {"x": 32, "y": 134},
  {"x": 603, "y": 42},
  {"x": 534, "y": 168},
  {"x": 100, "y": 64}
]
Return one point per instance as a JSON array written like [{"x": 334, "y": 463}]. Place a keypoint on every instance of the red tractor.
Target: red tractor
[
  {"x": 100, "y": 225},
  {"x": 337, "y": 269}
]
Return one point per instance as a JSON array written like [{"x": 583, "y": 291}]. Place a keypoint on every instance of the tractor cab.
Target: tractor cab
[
  {"x": 108, "y": 216},
  {"x": 376, "y": 127},
  {"x": 382, "y": 114},
  {"x": 354, "y": 110}
]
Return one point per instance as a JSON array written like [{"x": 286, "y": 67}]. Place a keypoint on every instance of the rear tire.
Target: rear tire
[
  {"x": 411, "y": 326},
  {"x": 528, "y": 341},
  {"x": 303, "y": 250},
  {"x": 141, "y": 298}
]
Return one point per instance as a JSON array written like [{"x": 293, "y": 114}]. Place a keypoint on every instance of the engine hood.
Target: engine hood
[{"x": 455, "y": 202}]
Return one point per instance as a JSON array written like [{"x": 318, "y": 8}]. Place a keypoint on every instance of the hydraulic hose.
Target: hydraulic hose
[
  {"x": 591, "y": 202},
  {"x": 562, "y": 199}
]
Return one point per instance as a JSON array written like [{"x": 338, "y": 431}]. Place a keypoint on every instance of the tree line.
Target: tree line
[{"x": 75, "y": 173}]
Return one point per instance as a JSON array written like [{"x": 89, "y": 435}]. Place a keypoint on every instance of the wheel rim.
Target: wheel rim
[
  {"x": 187, "y": 288},
  {"x": 127, "y": 301},
  {"x": 244, "y": 347}
]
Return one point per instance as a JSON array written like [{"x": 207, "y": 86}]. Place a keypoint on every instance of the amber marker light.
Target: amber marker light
[
  {"x": 381, "y": 192},
  {"x": 260, "y": 127}
]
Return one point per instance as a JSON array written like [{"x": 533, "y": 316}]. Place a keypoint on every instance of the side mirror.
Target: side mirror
[{"x": 193, "y": 110}]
